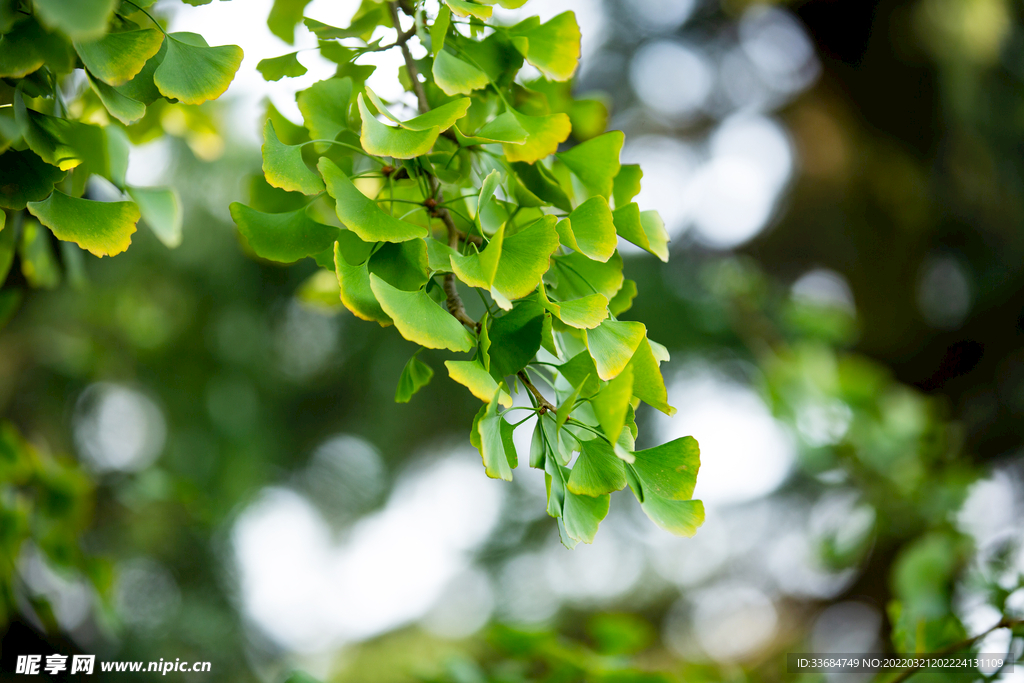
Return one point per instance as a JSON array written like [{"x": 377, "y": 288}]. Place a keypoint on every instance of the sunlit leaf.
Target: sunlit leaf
[
  {"x": 581, "y": 372},
  {"x": 102, "y": 228},
  {"x": 544, "y": 187},
  {"x": 612, "y": 344},
  {"x": 283, "y": 17},
  {"x": 644, "y": 229},
  {"x": 545, "y": 134},
  {"x": 415, "y": 375},
  {"x": 439, "y": 29},
  {"x": 24, "y": 177},
  {"x": 362, "y": 26},
  {"x": 553, "y": 47},
  {"x": 192, "y": 72},
  {"x": 583, "y": 514},
  {"x": 524, "y": 258},
  {"x": 464, "y": 8},
  {"x": 283, "y": 165},
  {"x": 472, "y": 375},
  {"x": 493, "y": 437},
  {"x": 38, "y": 262},
  {"x": 502, "y": 128},
  {"x": 360, "y": 214},
  {"x": 142, "y": 87},
  {"x": 161, "y": 210},
  {"x": 680, "y": 517},
  {"x": 421, "y": 320},
  {"x": 589, "y": 230},
  {"x": 282, "y": 237},
  {"x": 324, "y": 107},
  {"x": 626, "y": 184},
  {"x": 121, "y": 107},
  {"x": 579, "y": 276},
  {"x": 612, "y": 403},
  {"x": 597, "y": 470},
  {"x": 623, "y": 299},
  {"x": 596, "y": 162},
  {"x": 400, "y": 143},
  {"x": 78, "y": 19},
  {"x": 669, "y": 470},
  {"x": 456, "y": 77},
  {"x": 648, "y": 383},
  {"x": 276, "y": 68},
  {"x": 356, "y": 293},
  {"x": 117, "y": 58}
]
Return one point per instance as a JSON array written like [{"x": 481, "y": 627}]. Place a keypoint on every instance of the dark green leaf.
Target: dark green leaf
[
  {"x": 79, "y": 19},
  {"x": 515, "y": 338},
  {"x": 284, "y": 15},
  {"x": 24, "y": 177},
  {"x": 192, "y": 72},
  {"x": 276, "y": 68},
  {"x": 415, "y": 376},
  {"x": 282, "y": 237}
]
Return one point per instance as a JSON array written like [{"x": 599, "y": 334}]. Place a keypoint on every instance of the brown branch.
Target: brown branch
[
  {"x": 543, "y": 404},
  {"x": 1005, "y": 622}
]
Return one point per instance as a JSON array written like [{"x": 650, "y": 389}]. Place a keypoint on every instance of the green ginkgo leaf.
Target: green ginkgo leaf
[
  {"x": 360, "y": 214},
  {"x": 623, "y": 299},
  {"x": 539, "y": 186},
  {"x": 283, "y": 17},
  {"x": 142, "y": 87},
  {"x": 283, "y": 237},
  {"x": 283, "y": 165},
  {"x": 276, "y": 68},
  {"x": 582, "y": 515},
  {"x": 680, "y": 517},
  {"x": 648, "y": 383},
  {"x": 479, "y": 269},
  {"x": 443, "y": 117},
  {"x": 464, "y": 8},
  {"x": 597, "y": 471},
  {"x": 38, "y": 262},
  {"x": 456, "y": 77},
  {"x": 193, "y": 72},
  {"x": 102, "y": 228},
  {"x": 361, "y": 27},
  {"x": 553, "y": 47},
  {"x": 78, "y": 19},
  {"x": 420, "y": 319},
  {"x": 121, "y": 107},
  {"x": 439, "y": 29},
  {"x": 324, "y": 107},
  {"x": 415, "y": 375},
  {"x": 27, "y": 46},
  {"x": 584, "y": 313},
  {"x": 626, "y": 184},
  {"x": 161, "y": 209},
  {"x": 492, "y": 435},
  {"x": 581, "y": 372},
  {"x": 515, "y": 338},
  {"x": 669, "y": 470},
  {"x": 117, "y": 58},
  {"x": 24, "y": 177},
  {"x": 612, "y": 345},
  {"x": 611, "y": 404},
  {"x": 589, "y": 229},
  {"x": 502, "y": 128},
  {"x": 472, "y": 375},
  {"x": 545, "y": 134},
  {"x": 596, "y": 162},
  {"x": 386, "y": 141},
  {"x": 524, "y": 258},
  {"x": 645, "y": 229},
  {"x": 579, "y": 276},
  {"x": 356, "y": 293}
]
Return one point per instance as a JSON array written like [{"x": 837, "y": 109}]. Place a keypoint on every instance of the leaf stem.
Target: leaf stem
[{"x": 155, "y": 22}]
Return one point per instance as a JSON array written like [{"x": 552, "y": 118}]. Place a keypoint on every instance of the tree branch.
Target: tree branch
[
  {"x": 451, "y": 291},
  {"x": 544, "y": 405},
  {"x": 1005, "y": 622}
]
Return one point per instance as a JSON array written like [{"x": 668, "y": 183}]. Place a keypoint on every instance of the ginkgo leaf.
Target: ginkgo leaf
[
  {"x": 324, "y": 105},
  {"x": 596, "y": 162},
  {"x": 502, "y": 128},
  {"x": 102, "y": 228},
  {"x": 193, "y": 72},
  {"x": 24, "y": 177},
  {"x": 283, "y": 165},
  {"x": 420, "y": 319},
  {"x": 27, "y": 46},
  {"x": 479, "y": 269},
  {"x": 626, "y": 184},
  {"x": 680, "y": 517},
  {"x": 386, "y": 141},
  {"x": 582, "y": 515},
  {"x": 472, "y": 375},
  {"x": 456, "y": 77},
  {"x": 583, "y": 313},
  {"x": 648, "y": 383},
  {"x": 361, "y": 27},
  {"x": 142, "y": 86},
  {"x": 581, "y": 372},
  {"x": 415, "y": 375},
  {"x": 117, "y": 58},
  {"x": 439, "y": 29},
  {"x": 282, "y": 237},
  {"x": 276, "y": 68},
  {"x": 545, "y": 134},
  {"x": 78, "y": 19},
  {"x": 579, "y": 276},
  {"x": 669, "y": 470},
  {"x": 492, "y": 435},
  {"x": 589, "y": 229},
  {"x": 284, "y": 16},
  {"x": 612, "y": 344},
  {"x": 539, "y": 182},
  {"x": 121, "y": 107},
  {"x": 464, "y": 8},
  {"x": 161, "y": 209},
  {"x": 360, "y": 214},
  {"x": 515, "y": 338},
  {"x": 554, "y": 47},
  {"x": 623, "y": 299},
  {"x": 38, "y": 262},
  {"x": 611, "y": 404},
  {"x": 644, "y": 229},
  {"x": 356, "y": 293},
  {"x": 597, "y": 471},
  {"x": 439, "y": 256},
  {"x": 524, "y": 258}
]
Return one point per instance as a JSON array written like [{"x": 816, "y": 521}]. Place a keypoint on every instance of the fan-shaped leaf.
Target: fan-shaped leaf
[
  {"x": 456, "y": 77},
  {"x": 400, "y": 143},
  {"x": 117, "y": 58},
  {"x": 464, "y": 8},
  {"x": 589, "y": 229},
  {"x": 324, "y": 107},
  {"x": 611, "y": 404},
  {"x": 524, "y": 258},
  {"x": 78, "y": 19},
  {"x": 502, "y": 128},
  {"x": 103, "y": 228},
  {"x": 282, "y": 237},
  {"x": 553, "y": 47},
  {"x": 612, "y": 344},
  {"x": 492, "y": 435},
  {"x": 356, "y": 293},
  {"x": 583, "y": 313},
  {"x": 669, "y": 470},
  {"x": 596, "y": 162},
  {"x": 419, "y": 319},
  {"x": 545, "y": 134},
  {"x": 439, "y": 29},
  {"x": 579, "y": 276},
  {"x": 644, "y": 229},
  {"x": 121, "y": 107},
  {"x": 648, "y": 384},
  {"x": 472, "y": 375},
  {"x": 583, "y": 514},
  {"x": 283, "y": 17},
  {"x": 161, "y": 209},
  {"x": 24, "y": 177},
  {"x": 283, "y": 165},
  {"x": 623, "y": 299},
  {"x": 276, "y": 68},
  {"x": 27, "y": 46},
  {"x": 597, "y": 471},
  {"x": 680, "y": 517},
  {"x": 360, "y": 214},
  {"x": 515, "y": 338},
  {"x": 192, "y": 72},
  {"x": 415, "y": 376},
  {"x": 626, "y": 184}
]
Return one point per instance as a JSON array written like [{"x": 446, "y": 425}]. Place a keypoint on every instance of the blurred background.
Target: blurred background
[{"x": 844, "y": 185}]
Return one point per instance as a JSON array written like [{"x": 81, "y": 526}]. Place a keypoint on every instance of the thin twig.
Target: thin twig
[
  {"x": 543, "y": 404},
  {"x": 1005, "y": 622}
]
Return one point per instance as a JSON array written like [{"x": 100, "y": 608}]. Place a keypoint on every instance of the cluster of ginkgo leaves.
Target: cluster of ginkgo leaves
[
  {"x": 74, "y": 76},
  {"x": 471, "y": 191}
]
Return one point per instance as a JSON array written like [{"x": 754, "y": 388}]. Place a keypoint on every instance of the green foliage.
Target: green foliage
[{"x": 470, "y": 193}]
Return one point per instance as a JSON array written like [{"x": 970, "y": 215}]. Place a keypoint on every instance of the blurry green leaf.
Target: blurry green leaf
[
  {"x": 491, "y": 434},
  {"x": 669, "y": 470},
  {"x": 545, "y": 134},
  {"x": 589, "y": 230},
  {"x": 612, "y": 344},
  {"x": 283, "y": 17},
  {"x": 464, "y": 8},
  {"x": 439, "y": 255},
  {"x": 360, "y": 214},
  {"x": 192, "y": 72},
  {"x": 515, "y": 338},
  {"x": 79, "y": 19},
  {"x": 283, "y": 165},
  {"x": 10, "y": 300},
  {"x": 597, "y": 470},
  {"x": 611, "y": 403},
  {"x": 38, "y": 263},
  {"x": 28, "y": 46},
  {"x": 362, "y": 25},
  {"x": 472, "y": 375},
  {"x": 68, "y": 144},
  {"x": 282, "y": 237},
  {"x": 24, "y": 177},
  {"x": 7, "y": 247},
  {"x": 648, "y": 383},
  {"x": 117, "y": 58},
  {"x": 321, "y": 292},
  {"x": 621, "y": 634},
  {"x": 680, "y": 517},
  {"x": 444, "y": 117},
  {"x": 626, "y": 184},
  {"x": 161, "y": 209},
  {"x": 276, "y": 68},
  {"x": 596, "y": 162},
  {"x": 439, "y": 29},
  {"x": 579, "y": 276},
  {"x": 644, "y": 229},
  {"x": 121, "y": 107},
  {"x": 400, "y": 143},
  {"x": 415, "y": 376},
  {"x": 419, "y": 319},
  {"x": 554, "y": 47},
  {"x": 524, "y": 258},
  {"x": 623, "y": 299},
  {"x": 456, "y": 77},
  {"x": 103, "y": 228},
  {"x": 324, "y": 107}
]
